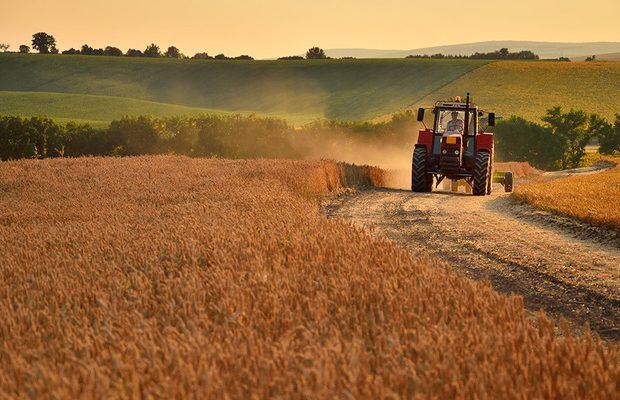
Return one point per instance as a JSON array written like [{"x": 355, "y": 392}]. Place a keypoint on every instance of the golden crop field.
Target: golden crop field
[
  {"x": 518, "y": 168},
  {"x": 171, "y": 277},
  {"x": 593, "y": 197}
]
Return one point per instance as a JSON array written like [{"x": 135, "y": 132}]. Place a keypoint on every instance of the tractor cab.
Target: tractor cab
[
  {"x": 456, "y": 148},
  {"x": 454, "y": 137}
]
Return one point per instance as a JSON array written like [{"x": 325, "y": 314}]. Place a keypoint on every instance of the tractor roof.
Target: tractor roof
[{"x": 454, "y": 104}]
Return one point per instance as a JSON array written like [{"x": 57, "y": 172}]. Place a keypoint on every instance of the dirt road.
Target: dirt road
[{"x": 564, "y": 268}]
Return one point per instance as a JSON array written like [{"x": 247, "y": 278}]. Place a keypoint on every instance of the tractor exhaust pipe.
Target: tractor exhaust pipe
[{"x": 466, "y": 133}]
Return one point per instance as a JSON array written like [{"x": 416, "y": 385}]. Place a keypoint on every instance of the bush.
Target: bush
[
  {"x": 315, "y": 53},
  {"x": 71, "y": 51},
  {"x": 202, "y": 56},
  {"x": 609, "y": 137},
  {"x": 133, "y": 53},
  {"x": 83, "y": 140},
  {"x": 517, "y": 139},
  {"x": 152, "y": 50},
  {"x": 35, "y": 137},
  {"x": 112, "y": 51},
  {"x": 136, "y": 135},
  {"x": 173, "y": 52}
]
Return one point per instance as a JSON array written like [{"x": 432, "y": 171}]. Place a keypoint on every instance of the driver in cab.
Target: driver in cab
[{"x": 455, "y": 124}]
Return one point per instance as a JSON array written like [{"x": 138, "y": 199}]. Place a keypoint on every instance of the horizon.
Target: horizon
[{"x": 271, "y": 28}]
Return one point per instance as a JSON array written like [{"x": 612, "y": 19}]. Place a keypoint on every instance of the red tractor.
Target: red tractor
[{"x": 457, "y": 148}]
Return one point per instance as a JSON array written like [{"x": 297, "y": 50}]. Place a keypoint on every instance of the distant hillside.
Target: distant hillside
[
  {"x": 298, "y": 90},
  {"x": 543, "y": 49},
  {"x": 528, "y": 89},
  {"x": 600, "y": 57}
]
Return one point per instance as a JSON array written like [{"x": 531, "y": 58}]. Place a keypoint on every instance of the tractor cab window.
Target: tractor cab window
[
  {"x": 450, "y": 121},
  {"x": 453, "y": 121}
]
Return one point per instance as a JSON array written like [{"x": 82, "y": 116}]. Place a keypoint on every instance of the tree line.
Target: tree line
[
  {"x": 229, "y": 136},
  {"x": 501, "y": 54},
  {"x": 45, "y": 43},
  {"x": 559, "y": 143}
]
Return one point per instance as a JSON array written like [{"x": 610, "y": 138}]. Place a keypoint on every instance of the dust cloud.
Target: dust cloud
[{"x": 392, "y": 156}]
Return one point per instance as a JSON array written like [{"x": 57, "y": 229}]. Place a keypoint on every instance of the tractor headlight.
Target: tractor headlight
[
  {"x": 444, "y": 151},
  {"x": 456, "y": 152}
]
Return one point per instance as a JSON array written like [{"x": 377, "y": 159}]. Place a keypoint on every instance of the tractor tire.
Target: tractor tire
[
  {"x": 481, "y": 173},
  {"x": 420, "y": 181},
  {"x": 508, "y": 182},
  {"x": 490, "y": 181}
]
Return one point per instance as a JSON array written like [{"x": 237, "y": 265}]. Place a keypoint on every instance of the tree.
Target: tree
[
  {"x": 221, "y": 57},
  {"x": 44, "y": 43},
  {"x": 137, "y": 135},
  {"x": 4, "y": 46},
  {"x": 24, "y": 49},
  {"x": 152, "y": 50},
  {"x": 133, "y": 53},
  {"x": 573, "y": 129},
  {"x": 517, "y": 139},
  {"x": 244, "y": 57},
  {"x": 112, "y": 51},
  {"x": 608, "y": 135},
  {"x": 86, "y": 50},
  {"x": 71, "y": 51},
  {"x": 315, "y": 53},
  {"x": 291, "y": 58},
  {"x": 202, "y": 56},
  {"x": 173, "y": 52}
]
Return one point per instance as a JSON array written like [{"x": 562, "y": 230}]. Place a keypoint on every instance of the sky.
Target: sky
[{"x": 272, "y": 28}]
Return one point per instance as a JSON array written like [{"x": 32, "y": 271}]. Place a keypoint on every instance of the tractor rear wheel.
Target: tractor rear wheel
[
  {"x": 420, "y": 180},
  {"x": 481, "y": 173}
]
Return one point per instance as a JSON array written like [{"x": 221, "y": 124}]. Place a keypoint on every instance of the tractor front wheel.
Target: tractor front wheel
[
  {"x": 481, "y": 173},
  {"x": 420, "y": 180}
]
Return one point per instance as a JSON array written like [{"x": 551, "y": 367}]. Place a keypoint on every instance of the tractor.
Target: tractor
[{"x": 456, "y": 148}]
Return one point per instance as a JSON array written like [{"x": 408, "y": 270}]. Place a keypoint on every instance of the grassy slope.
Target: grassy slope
[
  {"x": 527, "y": 89},
  {"x": 344, "y": 89},
  {"x": 93, "y": 109},
  {"x": 98, "y": 110}
]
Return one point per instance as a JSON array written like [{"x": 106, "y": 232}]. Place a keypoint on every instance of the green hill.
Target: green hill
[
  {"x": 92, "y": 109},
  {"x": 528, "y": 88},
  {"x": 99, "y": 110},
  {"x": 339, "y": 89}
]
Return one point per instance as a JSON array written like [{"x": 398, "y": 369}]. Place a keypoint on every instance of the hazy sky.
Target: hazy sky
[{"x": 267, "y": 28}]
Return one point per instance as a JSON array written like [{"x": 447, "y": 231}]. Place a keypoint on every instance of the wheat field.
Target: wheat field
[
  {"x": 592, "y": 198},
  {"x": 171, "y": 277}
]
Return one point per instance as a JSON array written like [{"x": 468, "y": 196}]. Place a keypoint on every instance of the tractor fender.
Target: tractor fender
[
  {"x": 425, "y": 139},
  {"x": 484, "y": 142}
]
